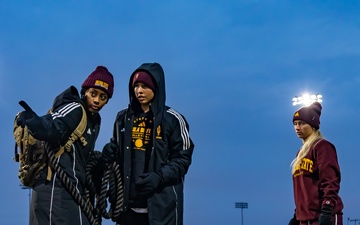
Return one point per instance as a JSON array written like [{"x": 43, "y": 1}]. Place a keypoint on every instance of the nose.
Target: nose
[
  {"x": 97, "y": 99},
  {"x": 140, "y": 89}
]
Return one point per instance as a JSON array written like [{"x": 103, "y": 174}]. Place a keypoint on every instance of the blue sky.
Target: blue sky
[{"x": 231, "y": 68}]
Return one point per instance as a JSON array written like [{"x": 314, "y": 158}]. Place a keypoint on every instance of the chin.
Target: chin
[{"x": 94, "y": 111}]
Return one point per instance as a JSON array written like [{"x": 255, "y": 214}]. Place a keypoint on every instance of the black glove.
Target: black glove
[
  {"x": 26, "y": 115},
  {"x": 294, "y": 221},
  {"x": 326, "y": 215},
  {"x": 108, "y": 152},
  {"x": 148, "y": 184}
]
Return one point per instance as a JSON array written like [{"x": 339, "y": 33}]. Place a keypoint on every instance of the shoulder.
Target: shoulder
[
  {"x": 324, "y": 147},
  {"x": 174, "y": 118},
  {"x": 121, "y": 114},
  {"x": 67, "y": 109},
  {"x": 322, "y": 142},
  {"x": 173, "y": 114}
]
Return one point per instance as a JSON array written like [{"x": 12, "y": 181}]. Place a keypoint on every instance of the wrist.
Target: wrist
[
  {"x": 327, "y": 210},
  {"x": 160, "y": 175}
]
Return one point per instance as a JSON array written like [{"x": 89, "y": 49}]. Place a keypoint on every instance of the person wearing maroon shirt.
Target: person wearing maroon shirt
[{"x": 315, "y": 173}]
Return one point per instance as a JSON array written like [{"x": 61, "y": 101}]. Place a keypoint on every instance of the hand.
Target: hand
[
  {"x": 326, "y": 216},
  {"x": 294, "y": 221},
  {"x": 26, "y": 115},
  {"x": 108, "y": 152},
  {"x": 148, "y": 184}
]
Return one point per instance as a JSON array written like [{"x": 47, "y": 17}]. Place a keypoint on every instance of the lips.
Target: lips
[
  {"x": 140, "y": 98},
  {"x": 95, "y": 108}
]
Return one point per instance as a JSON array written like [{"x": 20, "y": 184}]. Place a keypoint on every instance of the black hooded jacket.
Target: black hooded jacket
[
  {"x": 171, "y": 152},
  {"x": 55, "y": 129}
]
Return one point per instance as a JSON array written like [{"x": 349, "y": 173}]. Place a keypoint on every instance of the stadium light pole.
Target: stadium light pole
[
  {"x": 241, "y": 205},
  {"x": 307, "y": 99}
]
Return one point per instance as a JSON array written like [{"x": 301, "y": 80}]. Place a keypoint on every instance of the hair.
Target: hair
[
  {"x": 82, "y": 92},
  {"x": 305, "y": 148}
]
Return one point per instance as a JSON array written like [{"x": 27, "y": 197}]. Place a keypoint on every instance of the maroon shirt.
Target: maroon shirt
[{"x": 316, "y": 182}]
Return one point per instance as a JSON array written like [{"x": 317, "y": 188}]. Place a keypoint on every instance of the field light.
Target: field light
[
  {"x": 241, "y": 205},
  {"x": 307, "y": 99}
]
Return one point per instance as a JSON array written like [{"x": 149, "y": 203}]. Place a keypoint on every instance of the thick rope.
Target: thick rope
[
  {"x": 91, "y": 190},
  {"x": 111, "y": 187},
  {"x": 84, "y": 203}
]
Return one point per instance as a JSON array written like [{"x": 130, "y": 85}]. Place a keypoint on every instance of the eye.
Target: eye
[
  {"x": 92, "y": 93},
  {"x": 103, "y": 97}
]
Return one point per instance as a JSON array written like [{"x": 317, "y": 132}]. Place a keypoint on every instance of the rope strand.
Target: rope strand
[
  {"x": 111, "y": 188},
  {"x": 85, "y": 205}
]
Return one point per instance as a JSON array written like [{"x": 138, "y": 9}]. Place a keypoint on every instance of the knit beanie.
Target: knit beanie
[
  {"x": 144, "y": 77},
  {"x": 309, "y": 114},
  {"x": 100, "y": 78}
]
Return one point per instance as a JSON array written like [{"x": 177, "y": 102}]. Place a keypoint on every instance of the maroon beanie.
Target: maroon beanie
[
  {"x": 100, "y": 78},
  {"x": 144, "y": 77},
  {"x": 309, "y": 114}
]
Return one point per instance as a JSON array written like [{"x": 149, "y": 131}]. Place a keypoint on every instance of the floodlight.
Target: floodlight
[
  {"x": 307, "y": 99},
  {"x": 241, "y": 205}
]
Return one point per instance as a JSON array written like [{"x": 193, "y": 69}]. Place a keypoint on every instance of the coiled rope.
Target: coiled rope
[
  {"x": 84, "y": 203},
  {"x": 111, "y": 188}
]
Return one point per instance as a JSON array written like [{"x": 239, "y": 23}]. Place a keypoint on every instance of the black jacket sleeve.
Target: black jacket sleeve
[{"x": 57, "y": 126}]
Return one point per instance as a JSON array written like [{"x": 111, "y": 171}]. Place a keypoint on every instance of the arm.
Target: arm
[
  {"x": 329, "y": 173},
  {"x": 180, "y": 148},
  {"x": 111, "y": 150},
  {"x": 180, "y": 152},
  {"x": 57, "y": 126}
]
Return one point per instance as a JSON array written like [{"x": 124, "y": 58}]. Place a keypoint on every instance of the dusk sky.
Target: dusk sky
[{"x": 231, "y": 68}]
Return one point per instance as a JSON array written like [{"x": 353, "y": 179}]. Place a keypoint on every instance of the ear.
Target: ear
[{"x": 82, "y": 91}]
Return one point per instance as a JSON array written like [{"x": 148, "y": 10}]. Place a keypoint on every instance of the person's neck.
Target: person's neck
[{"x": 145, "y": 108}]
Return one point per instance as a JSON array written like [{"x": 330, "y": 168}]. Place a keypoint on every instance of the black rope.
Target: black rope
[
  {"x": 91, "y": 192},
  {"x": 111, "y": 188},
  {"x": 84, "y": 203},
  {"x": 95, "y": 204}
]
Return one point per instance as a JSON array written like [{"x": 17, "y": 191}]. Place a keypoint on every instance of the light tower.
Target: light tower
[
  {"x": 241, "y": 205},
  {"x": 307, "y": 99}
]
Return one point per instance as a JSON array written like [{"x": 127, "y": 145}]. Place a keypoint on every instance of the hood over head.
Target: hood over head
[{"x": 156, "y": 73}]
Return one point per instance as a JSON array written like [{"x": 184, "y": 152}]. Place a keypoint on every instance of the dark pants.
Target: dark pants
[{"x": 134, "y": 218}]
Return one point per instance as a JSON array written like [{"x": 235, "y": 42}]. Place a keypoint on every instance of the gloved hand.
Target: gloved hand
[
  {"x": 326, "y": 216},
  {"x": 26, "y": 115},
  {"x": 294, "y": 221},
  {"x": 149, "y": 182},
  {"x": 108, "y": 152}
]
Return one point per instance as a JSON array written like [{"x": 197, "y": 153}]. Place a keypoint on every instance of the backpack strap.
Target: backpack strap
[
  {"x": 75, "y": 135},
  {"x": 18, "y": 133},
  {"x": 78, "y": 132}
]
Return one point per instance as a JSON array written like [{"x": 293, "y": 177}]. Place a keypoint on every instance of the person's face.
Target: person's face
[
  {"x": 143, "y": 94},
  {"x": 302, "y": 129},
  {"x": 96, "y": 99}
]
